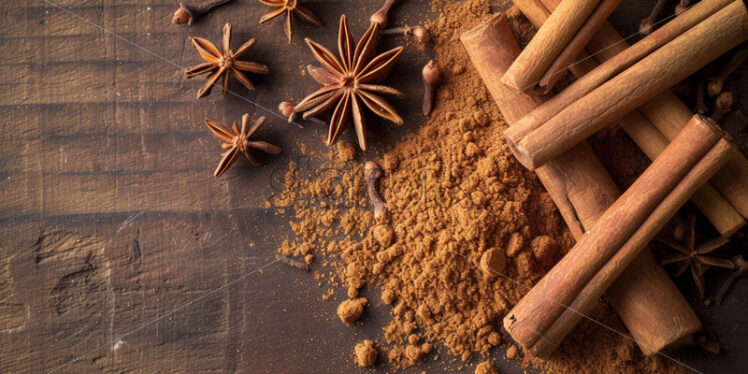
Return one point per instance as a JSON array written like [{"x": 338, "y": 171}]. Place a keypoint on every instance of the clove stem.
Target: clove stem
[
  {"x": 430, "y": 75},
  {"x": 716, "y": 82},
  {"x": 371, "y": 173}
]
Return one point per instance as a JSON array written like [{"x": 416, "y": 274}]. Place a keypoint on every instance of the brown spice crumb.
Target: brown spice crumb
[
  {"x": 516, "y": 242},
  {"x": 544, "y": 248},
  {"x": 388, "y": 297},
  {"x": 413, "y": 339},
  {"x": 493, "y": 262},
  {"x": 414, "y": 353},
  {"x": 384, "y": 235},
  {"x": 426, "y": 347},
  {"x": 351, "y": 310},
  {"x": 365, "y": 353},
  {"x": 352, "y": 292},
  {"x": 485, "y": 368},
  {"x": 511, "y": 352},
  {"x": 494, "y": 338}
]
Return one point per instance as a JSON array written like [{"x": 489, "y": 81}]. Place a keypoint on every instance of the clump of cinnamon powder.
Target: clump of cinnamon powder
[{"x": 469, "y": 229}]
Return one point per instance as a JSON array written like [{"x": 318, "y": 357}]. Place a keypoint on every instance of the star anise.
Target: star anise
[
  {"x": 238, "y": 141},
  {"x": 689, "y": 255},
  {"x": 225, "y": 63},
  {"x": 292, "y": 9},
  {"x": 349, "y": 82}
]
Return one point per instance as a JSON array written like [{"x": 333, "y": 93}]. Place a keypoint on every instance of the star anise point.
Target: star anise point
[
  {"x": 236, "y": 140},
  {"x": 223, "y": 63},
  {"x": 689, "y": 255},
  {"x": 292, "y": 9}
]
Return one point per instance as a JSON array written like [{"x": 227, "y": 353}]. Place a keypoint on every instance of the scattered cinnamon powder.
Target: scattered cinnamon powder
[{"x": 459, "y": 204}]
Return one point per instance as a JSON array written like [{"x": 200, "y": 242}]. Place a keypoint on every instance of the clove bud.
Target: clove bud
[
  {"x": 286, "y": 109},
  {"x": 722, "y": 105},
  {"x": 430, "y": 74},
  {"x": 189, "y": 12},
  {"x": 380, "y": 17}
]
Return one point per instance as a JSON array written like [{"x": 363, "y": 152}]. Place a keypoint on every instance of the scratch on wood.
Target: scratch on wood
[{"x": 129, "y": 220}]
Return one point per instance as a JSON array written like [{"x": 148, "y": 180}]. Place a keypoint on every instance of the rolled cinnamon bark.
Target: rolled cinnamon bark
[
  {"x": 724, "y": 206},
  {"x": 548, "y": 43},
  {"x": 551, "y": 309},
  {"x": 644, "y": 296},
  {"x": 613, "y": 66},
  {"x": 665, "y": 114},
  {"x": 630, "y": 88},
  {"x": 576, "y": 45}
]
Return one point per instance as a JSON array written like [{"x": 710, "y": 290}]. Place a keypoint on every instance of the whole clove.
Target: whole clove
[
  {"x": 189, "y": 12},
  {"x": 741, "y": 266},
  {"x": 371, "y": 173},
  {"x": 430, "y": 75},
  {"x": 714, "y": 87},
  {"x": 647, "y": 25},
  {"x": 285, "y": 109},
  {"x": 418, "y": 32},
  {"x": 381, "y": 15},
  {"x": 292, "y": 263},
  {"x": 722, "y": 105}
]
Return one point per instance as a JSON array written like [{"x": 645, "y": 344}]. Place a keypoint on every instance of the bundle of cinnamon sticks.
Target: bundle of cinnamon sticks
[
  {"x": 644, "y": 296},
  {"x": 549, "y": 137},
  {"x": 553, "y": 307},
  {"x": 621, "y": 84}
]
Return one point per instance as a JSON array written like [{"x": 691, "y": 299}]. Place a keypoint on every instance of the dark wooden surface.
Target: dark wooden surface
[{"x": 117, "y": 246}]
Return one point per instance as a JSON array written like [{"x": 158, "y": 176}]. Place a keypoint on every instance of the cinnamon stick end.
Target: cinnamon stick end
[{"x": 519, "y": 151}]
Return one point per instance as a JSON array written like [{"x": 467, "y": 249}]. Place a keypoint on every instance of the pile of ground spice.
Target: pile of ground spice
[{"x": 468, "y": 228}]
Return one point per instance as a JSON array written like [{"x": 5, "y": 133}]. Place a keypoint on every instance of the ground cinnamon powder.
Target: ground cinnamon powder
[{"x": 468, "y": 230}]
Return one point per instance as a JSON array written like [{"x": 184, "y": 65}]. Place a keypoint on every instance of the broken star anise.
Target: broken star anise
[
  {"x": 350, "y": 82},
  {"x": 225, "y": 63},
  {"x": 292, "y": 9},
  {"x": 688, "y": 255},
  {"x": 238, "y": 141}
]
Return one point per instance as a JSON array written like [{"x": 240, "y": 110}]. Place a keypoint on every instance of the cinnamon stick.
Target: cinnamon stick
[
  {"x": 551, "y": 309},
  {"x": 548, "y": 43},
  {"x": 568, "y": 56},
  {"x": 665, "y": 111},
  {"x": 644, "y": 296},
  {"x": 614, "y": 65},
  {"x": 632, "y": 87}
]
